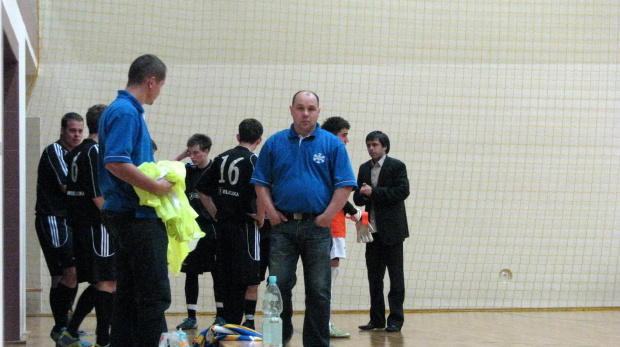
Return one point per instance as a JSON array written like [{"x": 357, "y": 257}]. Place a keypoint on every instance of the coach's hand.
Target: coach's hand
[
  {"x": 163, "y": 186},
  {"x": 323, "y": 221},
  {"x": 277, "y": 218}
]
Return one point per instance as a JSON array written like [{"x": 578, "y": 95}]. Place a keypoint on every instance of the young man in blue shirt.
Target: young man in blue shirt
[{"x": 140, "y": 238}]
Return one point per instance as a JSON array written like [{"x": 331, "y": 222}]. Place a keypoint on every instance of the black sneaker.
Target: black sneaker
[
  {"x": 55, "y": 334},
  {"x": 218, "y": 321},
  {"x": 249, "y": 324},
  {"x": 188, "y": 324}
]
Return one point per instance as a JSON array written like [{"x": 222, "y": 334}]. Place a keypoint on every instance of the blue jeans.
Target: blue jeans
[
  {"x": 143, "y": 288},
  {"x": 289, "y": 241}
]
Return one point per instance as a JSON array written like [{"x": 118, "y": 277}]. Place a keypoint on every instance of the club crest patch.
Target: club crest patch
[{"x": 319, "y": 158}]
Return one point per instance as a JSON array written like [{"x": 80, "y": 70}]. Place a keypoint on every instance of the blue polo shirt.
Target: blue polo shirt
[
  {"x": 123, "y": 137},
  {"x": 303, "y": 173}
]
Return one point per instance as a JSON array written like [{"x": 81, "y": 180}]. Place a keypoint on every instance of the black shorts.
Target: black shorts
[
  {"x": 56, "y": 240},
  {"x": 239, "y": 252},
  {"x": 265, "y": 233},
  {"x": 202, "y": 258},
  {"x": 94, "y": 253}
]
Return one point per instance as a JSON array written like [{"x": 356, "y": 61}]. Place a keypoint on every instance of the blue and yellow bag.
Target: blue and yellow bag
[{"x": 225, "y": 332}]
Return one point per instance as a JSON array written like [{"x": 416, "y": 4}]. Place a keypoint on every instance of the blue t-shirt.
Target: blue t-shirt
[
  {"x": 123, "y": 137},
  {"x": 303, "y": 174}
]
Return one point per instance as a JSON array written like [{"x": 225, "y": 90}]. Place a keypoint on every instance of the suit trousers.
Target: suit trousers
[{"x": 380, "y": 257}]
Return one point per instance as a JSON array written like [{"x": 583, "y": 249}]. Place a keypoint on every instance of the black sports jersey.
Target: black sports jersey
[
  {"x": 83, "y": 183},
  {"x": 192, "y": 175},
  {"x": 52, "y": 175},
  {"x": 227, "y": 182}
]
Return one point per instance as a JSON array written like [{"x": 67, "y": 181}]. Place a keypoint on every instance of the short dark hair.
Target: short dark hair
[
  {"x": 335, "y": 124},
  {"x": 305, "y": 91},
  {"x": 92, "y": 117},
  {"x": 69, "y": 117},
  {"x": 201, "y": 140},
  {"x": 250, "y": 130},
  {"x": 145, "y": 67},
  {"x": 154, "y": 145},
  {"x": 383, "y": 139}
]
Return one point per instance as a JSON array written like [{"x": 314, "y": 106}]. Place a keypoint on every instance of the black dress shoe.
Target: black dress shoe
[
  {"x": 370, "y": 326},
  {"x": 392, "y": 329}
]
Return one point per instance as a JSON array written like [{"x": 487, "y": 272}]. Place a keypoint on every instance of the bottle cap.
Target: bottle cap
[{"x": 272, "y": 279}]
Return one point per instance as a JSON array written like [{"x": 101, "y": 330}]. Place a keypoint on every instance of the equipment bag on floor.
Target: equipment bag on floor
[{"x": 225, "y": 332}]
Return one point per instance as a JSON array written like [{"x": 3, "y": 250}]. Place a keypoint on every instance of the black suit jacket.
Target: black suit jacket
[{"x": 388, "y": 199}]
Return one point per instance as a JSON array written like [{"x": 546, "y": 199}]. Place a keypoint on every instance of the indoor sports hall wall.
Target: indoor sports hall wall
[{"x": 506, "y": 114}]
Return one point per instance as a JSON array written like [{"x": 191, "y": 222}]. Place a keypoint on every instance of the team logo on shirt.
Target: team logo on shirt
[
  {"x": 223, "y": 191},
  {"x": 318, "y": 158}
]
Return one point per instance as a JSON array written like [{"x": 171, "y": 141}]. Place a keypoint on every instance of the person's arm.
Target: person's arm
[
  {"x": 58, "y": 165},
  {"x": 264, "y": 204},
  {"x": 99, "y": 202},
  {"x": 366, "y": 190},
  {"x": 340, "y": 197},
  {"x": 358, "y": 197},
  {"x": 207, "y": 202},
  {"x": 181, "y": 155},
  {"x": 129, "y": 173},
  {"x": 349, "y": 209},
  {"x": 398, "y": 189},
  {"x": 352, "y": 211},
  {"x": 93, "y": 157}
]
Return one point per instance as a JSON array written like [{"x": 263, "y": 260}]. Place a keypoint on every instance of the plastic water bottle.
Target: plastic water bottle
[
  {"x": 272, "y": 307},
  {"x": 182, "y": 338},
  {"x": 163, "y": 340},
  {"x": 173, "y": 339}
]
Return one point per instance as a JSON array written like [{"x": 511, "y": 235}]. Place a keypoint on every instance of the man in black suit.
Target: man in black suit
[{"x": 383, "y": 187}]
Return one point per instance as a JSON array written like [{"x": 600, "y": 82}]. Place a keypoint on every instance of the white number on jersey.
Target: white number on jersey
[
  {"x": 233, "y": 171},
  {"x": 74, "y": 168}
]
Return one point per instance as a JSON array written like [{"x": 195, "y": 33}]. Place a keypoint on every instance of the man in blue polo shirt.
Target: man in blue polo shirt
[
  {"x": 140, "y": 238},
  {"x": 302, "y": 179}
]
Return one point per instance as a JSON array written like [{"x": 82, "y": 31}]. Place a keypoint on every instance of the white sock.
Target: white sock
[{"x": 335, "y": 271}]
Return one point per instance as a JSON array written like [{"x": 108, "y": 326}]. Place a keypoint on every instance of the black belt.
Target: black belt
[{"x": 300, "y": 216}]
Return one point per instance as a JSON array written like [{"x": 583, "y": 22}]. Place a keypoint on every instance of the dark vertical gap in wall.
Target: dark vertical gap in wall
[{"x": 11, "y": 194}]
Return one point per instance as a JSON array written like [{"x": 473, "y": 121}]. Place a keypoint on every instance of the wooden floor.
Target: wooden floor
[{"x": 526, "y": 328}]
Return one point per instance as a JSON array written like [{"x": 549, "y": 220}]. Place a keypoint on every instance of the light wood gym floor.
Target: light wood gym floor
[{"x": 486, "y": 328}]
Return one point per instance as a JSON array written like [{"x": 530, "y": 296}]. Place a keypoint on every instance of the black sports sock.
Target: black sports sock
[
  {"x": 84, "y": 306},
  {"x": 60, "y": 301},
  {"x": 191, "y": 292},
  {"x": 55, "y": 304},
  {"x": 219, "y": 312},
  {"x": 73, "y": 295},
  {"x": 218, "y": 289},
  {"x": 103, "y": 308},
  {"x": 249, "y": 307}
]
